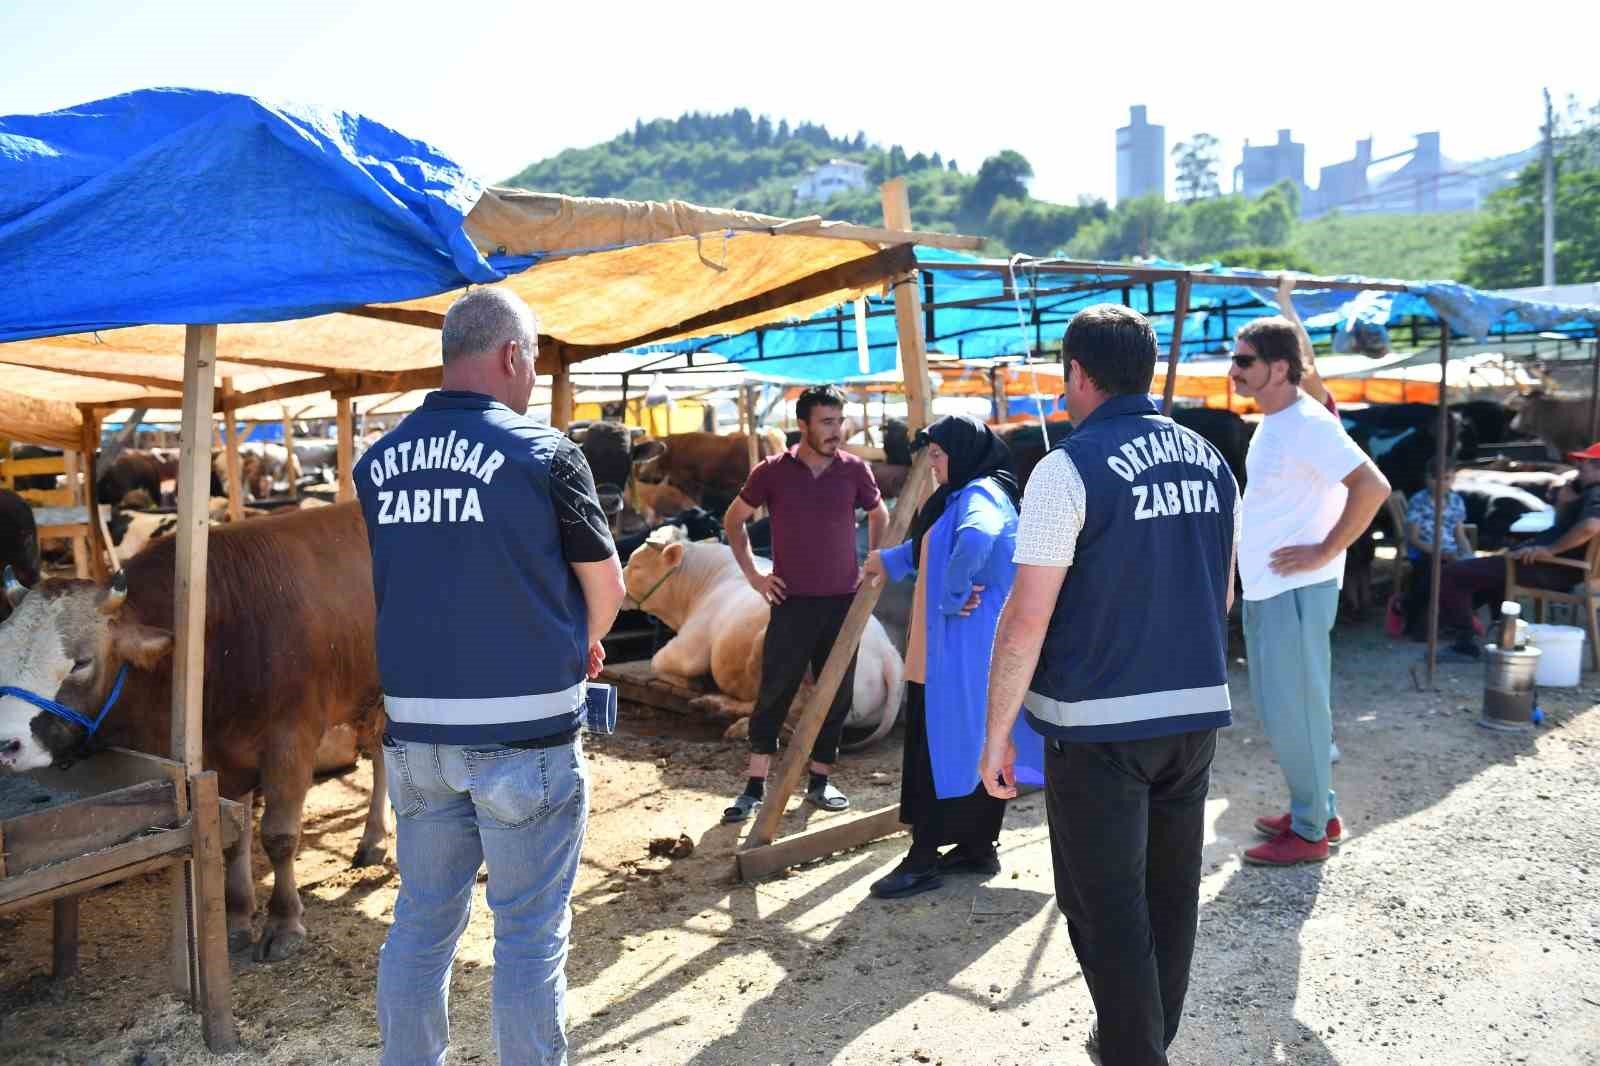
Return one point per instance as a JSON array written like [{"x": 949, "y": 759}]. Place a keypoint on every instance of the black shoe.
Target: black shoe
[
  {"x": 964, "y": 860},
  {"x": 903, "y": 881}
]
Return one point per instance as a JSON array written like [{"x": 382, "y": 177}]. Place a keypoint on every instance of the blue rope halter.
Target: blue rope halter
[{"x": 61, "y": 710}]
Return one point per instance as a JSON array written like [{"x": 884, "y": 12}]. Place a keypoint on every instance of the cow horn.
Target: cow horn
[
  {"x": 111, "y": 599},
  {"x": 15, "y": 589}
]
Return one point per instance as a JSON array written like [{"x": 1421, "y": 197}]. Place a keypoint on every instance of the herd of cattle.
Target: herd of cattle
[{"x": 289, "y": 653}]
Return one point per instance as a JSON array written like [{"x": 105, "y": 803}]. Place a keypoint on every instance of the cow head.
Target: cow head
[
  {"x": 651, "y": 568},
  {"x": 65, "y": 640}
]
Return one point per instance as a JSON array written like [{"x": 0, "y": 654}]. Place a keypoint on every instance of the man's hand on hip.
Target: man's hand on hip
[{"x": 770, "y": 586}]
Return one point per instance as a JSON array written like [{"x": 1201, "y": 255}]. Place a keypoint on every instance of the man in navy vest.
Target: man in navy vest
[
  {"x": 495, "y": 579},
  {"x": 1122, "y": 667}
]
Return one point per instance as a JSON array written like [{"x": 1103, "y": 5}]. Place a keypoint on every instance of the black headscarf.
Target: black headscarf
[{"x": 975, "y": 451}]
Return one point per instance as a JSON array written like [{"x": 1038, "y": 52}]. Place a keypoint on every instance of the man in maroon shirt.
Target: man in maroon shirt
[{"x": 812, "y": 492}]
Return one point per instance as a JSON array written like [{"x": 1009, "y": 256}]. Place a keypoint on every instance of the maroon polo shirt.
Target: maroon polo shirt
[{"x": 813, "y": 519}]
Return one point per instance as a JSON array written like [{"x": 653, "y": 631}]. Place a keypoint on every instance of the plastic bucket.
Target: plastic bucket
[{"x": 1561, "y": 665}]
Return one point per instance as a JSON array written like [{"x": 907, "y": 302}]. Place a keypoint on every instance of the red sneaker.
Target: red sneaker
[
  {"x": 1287, "y": 849},
  {"x": 1271, "y": 827}
]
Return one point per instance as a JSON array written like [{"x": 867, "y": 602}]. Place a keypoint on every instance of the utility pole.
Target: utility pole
[{"x": 1549, "y": 191}]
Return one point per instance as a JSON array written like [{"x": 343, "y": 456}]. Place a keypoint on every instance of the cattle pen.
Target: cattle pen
[{"x": 108, "y": 308}]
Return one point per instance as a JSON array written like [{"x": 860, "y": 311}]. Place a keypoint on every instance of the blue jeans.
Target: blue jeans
[
  {"x": 523, "y": 811},
  {"x": 1291, "y": 666}
]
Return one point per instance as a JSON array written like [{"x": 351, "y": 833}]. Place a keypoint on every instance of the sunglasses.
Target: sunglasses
[{"x": 1245, "y": 362}]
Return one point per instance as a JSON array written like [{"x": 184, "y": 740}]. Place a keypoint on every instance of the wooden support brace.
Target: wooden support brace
[
  {"x": 215, "y": 986},
  {"x": 767, "y": 859},
  {"x": 562, "y": 401},
  {"x": 98, "y": 542},
  {"x": 908, "y": 315},
  {"x": 230, "y": 436},
  {"x": 1179, "y": 313},
  {"x": 291, "y": 465},
  {"x": 747, "y": 401},
  {"x": 347, "y": 451},
  {"x": 64, "y": 938},
  {"x": 806, "y": 729}
]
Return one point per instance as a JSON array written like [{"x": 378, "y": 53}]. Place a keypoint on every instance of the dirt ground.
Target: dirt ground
[{"x": 1460, "y": 923}]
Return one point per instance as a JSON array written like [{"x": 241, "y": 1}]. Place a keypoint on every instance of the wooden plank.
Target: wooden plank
[
  {"x": 93, "y": 823},
  {"x": 50, "y": 464},
  {"x": 85, "y": 885},
  {"x": 216, "y": 992},
  {"x": 64, "y": 938},
  {"x": 798, "y": 753},
  {"x": 19, "y": 889},
  {"x": 908, "y": 315},
  {"x": 767, "y": 859},
  {"x": 230, "y": 438},
  {"x": 112, "y": 768},
  {"x": 747, "y": 400},
  {"x": 561, "y": 399},
  {"x": 346, "y": 451},
  {"x": 894, "y": 235},
  {"x": 79, "y": 539},
  {"x": 1179, "y": 313},
  {"x": 2, "y": 851},
  {"x": 193, "y": 541},
  {"x": 291, "y": 465}
]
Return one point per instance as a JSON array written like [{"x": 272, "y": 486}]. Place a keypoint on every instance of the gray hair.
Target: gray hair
[{"x": 484, "y": 320}]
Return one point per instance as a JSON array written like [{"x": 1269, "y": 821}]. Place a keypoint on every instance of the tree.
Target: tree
[
  {"x": 1270, "y": 219},
  {"x": 1197, "y": 167},
  {"x": 1002, "y": 175},
  {"x": 783, "y": 130},
  {"x": 1267, "y": 259}
]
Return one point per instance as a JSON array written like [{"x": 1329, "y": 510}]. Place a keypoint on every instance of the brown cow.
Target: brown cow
[
  {"x": 1561, "y": 423},
  {"x": 698, "y": 463},
  {"x": 289, "y": 654}
]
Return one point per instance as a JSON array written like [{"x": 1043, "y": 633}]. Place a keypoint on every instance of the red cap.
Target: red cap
[{"x": 1591, "y": 452}]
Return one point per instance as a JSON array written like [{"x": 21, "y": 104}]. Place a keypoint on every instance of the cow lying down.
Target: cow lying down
[{"x": 721, "y": 622}]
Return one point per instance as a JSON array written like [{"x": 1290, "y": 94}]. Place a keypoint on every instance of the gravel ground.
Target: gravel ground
[{"x": 1460, "y": 923}]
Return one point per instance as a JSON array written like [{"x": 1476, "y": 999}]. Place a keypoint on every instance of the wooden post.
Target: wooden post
[
  {"x": 908, "y": 314},
  {"x": 798, "y": 754},
  {"x": 562, "y": 401},
  {"x": 747, "y": 404},
  {"x": 189, "y": 607},
  {"x": 998, "y": 394},
  {"x": 64, "y": 938},
  {"x": 1179, "y": 313},
  {"x": 1436, "y": 565},
  {"x": 347, "y": 451},
  {"x": 80, "y": 541},
  {"x": 230, "y": 438},
  {"x": 91, "y": 446},
  {"x": 291, "y": 465},
  {"x": 215, "y": 992},
  {"x": 1594, "y": 391}
]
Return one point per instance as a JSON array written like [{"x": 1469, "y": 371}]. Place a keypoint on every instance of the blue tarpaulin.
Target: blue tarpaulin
[
  {"x": 181, "y": 206},
  {"x": 999, "y": 319}
]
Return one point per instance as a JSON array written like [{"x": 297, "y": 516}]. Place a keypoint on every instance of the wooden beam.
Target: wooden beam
[
  {"x": 767, "y": 859},
  {"x": 33, "y": 887},
  {"x": 346, "y": 451},
  {"x": 1179, "y": 313},
  {"x": 230, "y": 444},
  {"x": 908, "y": 315},
  {"x": 1436, "y": 559},
  {"x": 561, "y": 399},
  {"x": 148, "y": 381},
  {"x": 193, "y": 541},
  {"x": 98, "y": 541},
  {"x": 291, "y": 465},
  {"x": 747, "y": 401},
  {"x": 64, "y": 938},
  {"x": 80, "y": 541},
  {"x": 409, "y": 316},
  {"x": 215, "y": 994},
  {"x": 1123, "y": 271},
  {"x": 798, "y": 754},
  {"x": 890, "y": 235}
]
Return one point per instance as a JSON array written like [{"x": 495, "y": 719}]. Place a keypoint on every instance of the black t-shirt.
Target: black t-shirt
[
  {"x": 585, "y": 533},
  {"x": 1585, "y": 506}
]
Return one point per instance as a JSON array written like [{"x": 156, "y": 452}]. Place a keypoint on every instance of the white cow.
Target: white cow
[{"x": 721, "y": 622}]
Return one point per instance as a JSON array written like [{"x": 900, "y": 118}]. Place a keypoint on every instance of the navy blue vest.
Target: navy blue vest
[
  {"x": 482, "y": 626},
  {"x": 1137, "y": 646}
]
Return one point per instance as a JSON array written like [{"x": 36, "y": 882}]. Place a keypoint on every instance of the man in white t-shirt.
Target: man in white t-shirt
[{"x": 1310, "y": 493}]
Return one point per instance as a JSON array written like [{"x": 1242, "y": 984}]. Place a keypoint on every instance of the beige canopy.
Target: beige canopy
[{"x": 613, "y": 274}]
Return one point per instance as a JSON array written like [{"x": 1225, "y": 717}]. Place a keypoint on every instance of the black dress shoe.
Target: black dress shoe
[
  {"x": 903, "y": 881},
  {"x": 964, "y": 860}
]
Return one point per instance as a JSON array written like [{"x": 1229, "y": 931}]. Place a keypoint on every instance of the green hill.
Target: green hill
[{"x": 748, "y": 162}]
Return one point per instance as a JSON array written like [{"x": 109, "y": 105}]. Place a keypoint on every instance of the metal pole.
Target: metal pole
[
  {"x": 1438, "y": 503},
  {"x": 1594, "y": 391},
  {"x": 1549, "y": 191}
]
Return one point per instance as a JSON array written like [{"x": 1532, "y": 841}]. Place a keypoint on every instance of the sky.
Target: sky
[{"x": 499, "y": 86}]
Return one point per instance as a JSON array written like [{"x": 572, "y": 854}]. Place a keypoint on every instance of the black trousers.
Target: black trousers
[
  {"x": 801, "y": 634},
  {"x": 973, "y": 819},
  {"x": 1127, "y": 819}
]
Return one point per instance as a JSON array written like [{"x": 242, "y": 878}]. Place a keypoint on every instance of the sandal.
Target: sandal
[
  {"x": 828, "y": 798},
  {"x": 744, "y": 805}
]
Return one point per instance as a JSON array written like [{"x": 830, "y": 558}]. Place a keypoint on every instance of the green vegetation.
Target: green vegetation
[
  {"x": 748, "y": 162},
  {"x": 1504, "y": 248}
]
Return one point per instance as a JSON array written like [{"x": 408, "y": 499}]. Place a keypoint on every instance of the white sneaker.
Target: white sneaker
[{"x": 1333, "y": 752}]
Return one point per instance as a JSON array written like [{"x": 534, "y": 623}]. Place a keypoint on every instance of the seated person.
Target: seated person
[
  {"x": 1464, "y": 585},
  {"x": 1453, "y": 545}
]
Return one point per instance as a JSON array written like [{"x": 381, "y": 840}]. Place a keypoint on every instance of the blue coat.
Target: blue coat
[{"x": 971, "y": 544}]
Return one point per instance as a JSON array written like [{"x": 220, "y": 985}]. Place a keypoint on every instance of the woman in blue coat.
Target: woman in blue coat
[{"x": 959, "y": 552}]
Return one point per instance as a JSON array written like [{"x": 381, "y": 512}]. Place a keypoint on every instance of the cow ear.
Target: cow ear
[
  {"x": 141, "y": 646},
  {"x": 672, "y": 554},
  {"x": 647, "y": 450}
]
